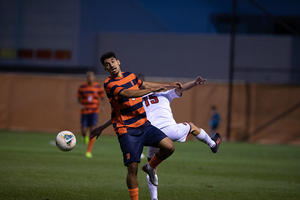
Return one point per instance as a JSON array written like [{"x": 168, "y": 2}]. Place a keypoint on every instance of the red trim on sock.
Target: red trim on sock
[{"x": 189, "y": 130}]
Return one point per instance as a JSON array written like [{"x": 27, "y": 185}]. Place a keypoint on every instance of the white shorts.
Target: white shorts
[{"x": 177, "y": 133}]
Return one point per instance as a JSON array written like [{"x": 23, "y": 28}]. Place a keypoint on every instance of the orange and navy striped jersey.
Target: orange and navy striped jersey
[
  {"x": 89, "y": 97},
  {"x": 127, "y": 114}
]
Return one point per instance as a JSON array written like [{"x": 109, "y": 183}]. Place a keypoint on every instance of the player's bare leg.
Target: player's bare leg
[
  {"x": 90, "y": 144},
  {"x": 83, "y": 133},
  {"x": 132, "y": 180},
  {"x": 166, "y": 148}
]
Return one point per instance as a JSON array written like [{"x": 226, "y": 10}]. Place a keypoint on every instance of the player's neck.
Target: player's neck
[{"x": 118, "y": 75}]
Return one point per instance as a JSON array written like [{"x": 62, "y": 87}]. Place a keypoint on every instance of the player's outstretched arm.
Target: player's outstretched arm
[
  {"x": 97, "y": 131},
  {"x": 199, "y": 81},
  {"x": 168, "y": 86},
  {"x": 141, "y": 92},
  {"x": 102, "y": 104}
]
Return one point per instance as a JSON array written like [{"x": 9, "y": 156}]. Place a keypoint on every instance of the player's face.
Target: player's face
[
  {"x": 112, "y": 65},
  {"x": 90, "y": 77}
]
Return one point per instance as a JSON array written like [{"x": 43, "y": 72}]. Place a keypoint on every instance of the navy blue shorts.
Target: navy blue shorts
[
  {"x": 88, "y": 120},
  {"x": 132, "y": 143}
]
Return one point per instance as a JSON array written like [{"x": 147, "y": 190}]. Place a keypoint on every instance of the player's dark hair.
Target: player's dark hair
[{"x": 107, "y": 55}]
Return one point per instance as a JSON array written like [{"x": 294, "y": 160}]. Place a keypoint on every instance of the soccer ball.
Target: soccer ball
[{"x": 65, "y": 140}]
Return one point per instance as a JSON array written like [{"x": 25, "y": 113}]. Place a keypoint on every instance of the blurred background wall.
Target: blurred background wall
[
  {"x": 47, "y": 46},
  {"x": 263, "y": 59},
  {"x": 70, "y": 35},
  {"x": 48, "y": 103}
]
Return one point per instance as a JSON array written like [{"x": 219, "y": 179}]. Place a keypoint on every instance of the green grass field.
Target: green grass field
[{"x": 31, "y": 167}]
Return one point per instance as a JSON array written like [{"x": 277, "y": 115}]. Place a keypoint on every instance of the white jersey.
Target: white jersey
[
  {"x": 158, "y": 109},
  {"x": 159, "y": 113}
]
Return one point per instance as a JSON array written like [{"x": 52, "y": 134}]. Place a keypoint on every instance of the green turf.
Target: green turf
[{"x": 32, "y": 168}]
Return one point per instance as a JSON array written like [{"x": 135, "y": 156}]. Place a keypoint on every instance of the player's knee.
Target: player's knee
[
  {"x": 194, "y": 129},
  {"x": 132, "y": 168},
  {"x": 171, "y": 147},
  {"x": 167, "y": 145},
  {"x": 192, "y": 126}
]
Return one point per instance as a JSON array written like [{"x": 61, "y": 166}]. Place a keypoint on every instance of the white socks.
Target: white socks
[
  {"x": 152, "y": 188},
  {"x": 204, "y": 137}
]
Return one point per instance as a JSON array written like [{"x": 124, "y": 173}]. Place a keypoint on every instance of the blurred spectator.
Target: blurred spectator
[
  {"x": 214, "y": 121},
  {"x": 89, "y": 96}
]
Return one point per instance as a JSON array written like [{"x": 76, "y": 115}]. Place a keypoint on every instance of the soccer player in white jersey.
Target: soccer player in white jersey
[{"x": 159, "y": 113}]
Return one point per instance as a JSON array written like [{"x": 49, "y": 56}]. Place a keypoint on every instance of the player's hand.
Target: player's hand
[
  {"x": 82, "y": 107},
  {"x": 199, "y": 80},
  {"x": 177, "y": 85},
  {"x": 96, "y": 132}
]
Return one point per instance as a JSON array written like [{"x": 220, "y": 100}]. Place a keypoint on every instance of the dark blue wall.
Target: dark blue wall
[
  {"x": 75, "y": 25},
  {"x": 165, "y": 16}
]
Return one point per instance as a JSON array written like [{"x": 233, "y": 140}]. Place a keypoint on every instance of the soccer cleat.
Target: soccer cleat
[
  {"x": 151, "y": 172},
  {"x": 217, "y": 138},
  {"x": 88, "y": 154}
]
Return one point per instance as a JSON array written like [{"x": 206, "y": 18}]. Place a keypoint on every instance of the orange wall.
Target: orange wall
[
  {"x": 48, "y": 103},
  {"x": 41, "y": 103}
]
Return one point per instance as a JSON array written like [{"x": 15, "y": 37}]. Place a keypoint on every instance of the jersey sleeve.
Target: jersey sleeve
[
  {"x": 171, "y": 94},
  {"x": 113, "y": 90},
  {"x": 139, "y": 82}
]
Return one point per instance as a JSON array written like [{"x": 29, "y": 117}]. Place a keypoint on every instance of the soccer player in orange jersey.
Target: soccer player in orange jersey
[
  {"x": 130, "y": 123},
  {"x": 91, "y": 101}
]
